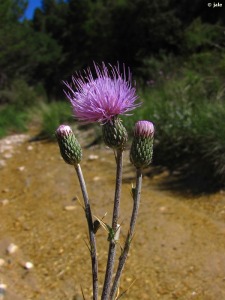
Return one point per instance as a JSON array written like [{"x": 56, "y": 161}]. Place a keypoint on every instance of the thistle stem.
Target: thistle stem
[
  {"x": 130, "y": 234},
  {"x": 93, "y": 248},
  {"x": 112, "y": 245}
]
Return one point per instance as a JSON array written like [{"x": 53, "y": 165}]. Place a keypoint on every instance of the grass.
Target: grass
[
  {"x": 47, "y": 116},
  {"x": 12, "y": 120},
  {"x": 52, "y": 115}
]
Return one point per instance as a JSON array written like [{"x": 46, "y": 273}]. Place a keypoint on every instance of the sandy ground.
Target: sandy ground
[{"x": 179, "y": 247}]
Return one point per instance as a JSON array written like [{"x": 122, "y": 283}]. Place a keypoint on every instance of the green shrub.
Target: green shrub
[
  {"x": 188, "y": 112},
  {"x": 52, "y": 115},
  {"x": 21, "y": 95},
  {"x": 199, "y": 36},
  {"x": 12, "y": 120}
]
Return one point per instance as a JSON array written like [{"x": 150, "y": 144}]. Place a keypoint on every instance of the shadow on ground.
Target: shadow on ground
[{"x": 186, "y": 181}]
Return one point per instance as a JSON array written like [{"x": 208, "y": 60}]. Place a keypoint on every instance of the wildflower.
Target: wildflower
[
  {"x": 69, "y": 147},
  {"x": 103, "y": 98},
  {"x": 142, "y": 145}
]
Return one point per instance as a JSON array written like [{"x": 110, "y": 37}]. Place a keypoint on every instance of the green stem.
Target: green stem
[
  {"x": 93, "y": 248},
  {"x": 112, "y": 245},
  {"x": 130, "y": 234}
]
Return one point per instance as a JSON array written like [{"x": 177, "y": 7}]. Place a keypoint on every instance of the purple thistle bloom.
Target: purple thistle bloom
[
  {"x": 63, "y": 130},
  {"x": 144, "y": 129},
  {"x": 103, "y": 98}
]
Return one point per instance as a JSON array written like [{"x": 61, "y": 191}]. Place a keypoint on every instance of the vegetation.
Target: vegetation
[
  {"x": 12, "y": 121},
  {"x": 51, "y": 116},
  {"x": 175, "y": 51},
  {"x": 188, "y": 110}
]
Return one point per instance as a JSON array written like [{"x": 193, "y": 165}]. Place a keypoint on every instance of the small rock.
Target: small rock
[
  {"x": 28, "y": 265},
  {"x": 128, "y": 279},
  {"x": 3, "y": 288},
  {"x": 69, "y": 207},
  {"x": 61, "y": 250},
  {"x": 5, "y": 148},
  {"x": 29, "y": 148},
  {"x": 4, "y": 202},
  {"x": 2, "y": 262},
  {"x": 96, "y": 178},
  {"x": 93, "y": 157},
  {"x": 21, "y": 169},
  {"x": 163, "y": 209},
  {"x": 12, "y": 248},
  {"x": 6, "y": 190},
  {"x": 7, "y": 155}
]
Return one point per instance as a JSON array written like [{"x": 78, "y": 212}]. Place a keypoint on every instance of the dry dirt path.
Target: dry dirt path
[{"x": 179, "y": 247}]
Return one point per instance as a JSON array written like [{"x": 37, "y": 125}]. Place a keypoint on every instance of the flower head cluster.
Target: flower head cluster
[
  {"x": 102, "y": 97},
  {"x": 142, "y": 146},
  {"x": 69, "y": 146}
]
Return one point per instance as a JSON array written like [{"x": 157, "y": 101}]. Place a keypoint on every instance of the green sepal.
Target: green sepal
[
  {"x": 141, "y": 151},
  {"x": 115, "y": 134}
]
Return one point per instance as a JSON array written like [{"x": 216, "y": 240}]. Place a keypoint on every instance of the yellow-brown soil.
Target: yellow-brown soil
[{"x": 179, "y": 247}]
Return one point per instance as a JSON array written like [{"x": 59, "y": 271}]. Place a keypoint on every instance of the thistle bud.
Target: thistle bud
[
  {"x": 69, "y": 147},
  {"x": 114, "y": 134},
  {"x": 142, "y": 145}
]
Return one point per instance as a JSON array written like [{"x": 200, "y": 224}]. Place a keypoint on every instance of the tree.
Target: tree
[
  {"x": 143, "y": 27},
  {"x": 11, "y": 11},
  {"x": 23, "y": 51}
]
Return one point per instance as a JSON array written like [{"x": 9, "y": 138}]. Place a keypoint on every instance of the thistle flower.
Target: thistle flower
[
  {"x": 102, "y": 98},
  {"x": 69, "y": 147},
  {"x": 142, "y": 145}
]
